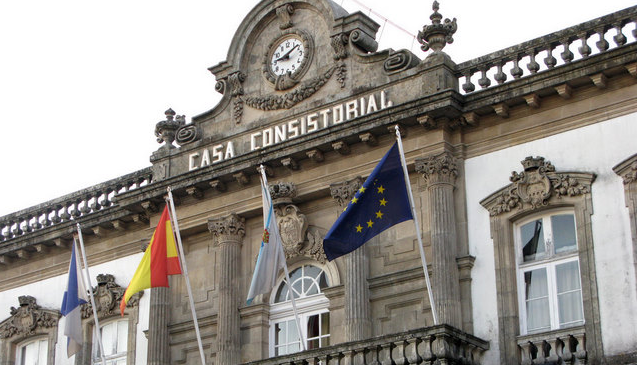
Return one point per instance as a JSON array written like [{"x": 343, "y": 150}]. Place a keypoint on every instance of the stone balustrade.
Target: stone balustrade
[
  {"x": 71, "y": 206},
  {"x": 567, "y": 346},
  {"x": 440, "y": 344},
  {"x": 508, "y": 64}
]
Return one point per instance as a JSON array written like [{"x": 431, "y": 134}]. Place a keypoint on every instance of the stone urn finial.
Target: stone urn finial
[
  {"x": 166, "y": 130},
  {"x": 438, "y": 34}
]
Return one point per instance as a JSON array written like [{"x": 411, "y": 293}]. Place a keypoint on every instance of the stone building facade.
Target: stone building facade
[{"x": 538, "y": 265}]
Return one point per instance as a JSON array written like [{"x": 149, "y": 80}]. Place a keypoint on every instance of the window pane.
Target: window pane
[
  {"x": 325, "y": 324},
  {"x": 34, "y": 353},
  {"x": 564, "y": 232},
  {"x": 569, "y": 294},
  {"x": 532, "y": 236},
  {"x": 108, "y": 336},
  {"x": 42, "y": 352},
  {"x": 323, "y": 281},
  {"x": 281, "y": 295},
  {"x": 122, "y": 336},
  {"x": 312, "y": 271},
  {"x": 293, "y": 333},
  {"x": 313, "y": 326},
  {"x": 537, "y": 302},
  {"x": 280, "y": 332},
  {"x": 310, "y": 287}
]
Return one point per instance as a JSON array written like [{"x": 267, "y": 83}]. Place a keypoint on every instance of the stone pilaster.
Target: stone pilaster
[
  {"x": 158, "y": 337},
  {"x": 358, "y": 325},
  {"x": 627, "y": 169},
  {"x": 228, "y": 233},
  {"x": 440, "y": 173}
]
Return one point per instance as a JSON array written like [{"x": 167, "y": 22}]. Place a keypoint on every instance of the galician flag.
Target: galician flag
[
  {"x": 159, "y": 261},
  {"x": 74, "y": 296},
  {"x": 271, "y": 258}
]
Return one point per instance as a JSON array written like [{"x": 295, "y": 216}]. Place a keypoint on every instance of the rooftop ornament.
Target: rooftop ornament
[
  {"x": 166, "y": 130},
  {"x": 437, "y": 35}
]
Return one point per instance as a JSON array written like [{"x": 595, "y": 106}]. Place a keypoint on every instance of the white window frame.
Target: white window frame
[
  {"x": 39, "y": 340},
  {"x": 306, "y": 307},
  {"x": 114, "y": 358},
  {"x": 548, "y": 262}
]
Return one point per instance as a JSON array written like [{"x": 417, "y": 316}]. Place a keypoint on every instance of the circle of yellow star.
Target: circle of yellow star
[
  {"x": 383, "y": 202},
  {"x": 379, "y": 214},
  {"x": 381, "y": 189},
  {"x": 370, "y": 223},
  {"x": 361, "y": 190},
  {"x": 359, "y": 228},
  {"x": 354, "y": 200}
]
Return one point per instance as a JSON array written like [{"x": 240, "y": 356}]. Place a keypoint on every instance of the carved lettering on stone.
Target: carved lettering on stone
[
  {"x": 536, "y": 185},
  {"x": 27, "y": 318}
]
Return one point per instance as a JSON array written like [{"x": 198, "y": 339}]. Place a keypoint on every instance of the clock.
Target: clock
[{"x": 288, "y": 58}]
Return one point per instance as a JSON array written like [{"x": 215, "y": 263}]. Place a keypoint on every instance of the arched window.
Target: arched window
[
  {"x": 115, "y": 341},
  {"x": 33, "y": 353},
  {"x": 307, "y": 283}
]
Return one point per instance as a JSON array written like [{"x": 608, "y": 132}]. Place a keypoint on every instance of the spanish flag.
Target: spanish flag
[{"x": 159, "y": 261}]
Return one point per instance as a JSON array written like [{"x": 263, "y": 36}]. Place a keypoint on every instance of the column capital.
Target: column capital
[
  {"x": 438, "y": 169},
  {"x": 343, "y": 192},
  {"x": 229, "y": 228}
]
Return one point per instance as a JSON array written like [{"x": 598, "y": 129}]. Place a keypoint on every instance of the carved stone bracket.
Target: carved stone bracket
[
  {"x": 27, "y": 319},
  {"x": 343, "y": 192},
  {"x": 229, "y": 228},
  {"x": 108, "y": 294},
  {"x": 438, "y": 169},
  {"x": 284, "y": 13},
  {"x": 536, "y": 185},
  {"x": 236, "y": 91}
]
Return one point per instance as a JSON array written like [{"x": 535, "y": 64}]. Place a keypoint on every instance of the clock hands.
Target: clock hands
[{"x": 287, "y": 54}]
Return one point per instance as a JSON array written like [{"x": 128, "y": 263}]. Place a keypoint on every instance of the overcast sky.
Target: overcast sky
[{"x": 83, "y": 82}]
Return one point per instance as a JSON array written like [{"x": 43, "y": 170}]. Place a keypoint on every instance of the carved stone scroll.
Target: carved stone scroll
[
  {"x": 284, "y": 12},
  {"x": 400, "y": 61}
]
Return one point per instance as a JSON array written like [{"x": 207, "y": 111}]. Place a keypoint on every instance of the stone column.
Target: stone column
[
  {"x": 228, "y": 233},
  {"x": 158, "y": 338},
  {"x": 358, "y": 325},
  {"x": 440, "y": 173}
]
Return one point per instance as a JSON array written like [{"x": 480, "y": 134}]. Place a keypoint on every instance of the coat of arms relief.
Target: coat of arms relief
[{"x": 297, "y": 236}]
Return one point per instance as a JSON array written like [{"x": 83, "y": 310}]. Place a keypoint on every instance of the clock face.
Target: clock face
[{"x": 288, "y": 55}]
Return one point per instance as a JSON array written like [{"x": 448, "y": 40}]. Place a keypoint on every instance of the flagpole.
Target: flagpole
[
  {"x": 288, "y": 281},
  {"x": 173, "y": 216},
  {"x": 90, "y": 292},
  {"x": 417, "y": 226}
]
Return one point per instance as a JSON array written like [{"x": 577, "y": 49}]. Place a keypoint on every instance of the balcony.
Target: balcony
[
  {"x": 440, "y": 344},
  {"x": 566, "y": 346}
]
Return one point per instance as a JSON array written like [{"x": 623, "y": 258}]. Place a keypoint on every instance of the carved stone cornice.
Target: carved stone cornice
[
  {"x": 108, "y": 294},
  {"x": 282, "y": 192},
  {"x": 343, "y": 192},
  {"x": 536, "y": 186},
  {"x": 284, "y": 14},
  {"x": 439, "y": 169},
  {"x": 27, "y": 319},
  {"x": 230, "y": 228}
]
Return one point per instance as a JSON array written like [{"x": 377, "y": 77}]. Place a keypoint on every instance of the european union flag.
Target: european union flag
[{"x": 380, "y": 203}]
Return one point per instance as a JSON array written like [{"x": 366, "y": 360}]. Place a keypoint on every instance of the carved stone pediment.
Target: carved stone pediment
[
  {"x": 536, "y": 186},
  {"x": 107, "y": 295},
  {"x": 27, "y": 319}
]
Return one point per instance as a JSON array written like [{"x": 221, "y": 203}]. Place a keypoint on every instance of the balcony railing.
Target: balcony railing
[
  {"x": 440, "y": 344},
  {"x": 567, "y": 346},
  {"x": 71, "y": 206},
  {"x": 593, "y": 37}
]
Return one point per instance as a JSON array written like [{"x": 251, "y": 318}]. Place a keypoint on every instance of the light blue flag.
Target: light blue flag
[
  {"x": 271, "y": 258},
  {"x": 74, "y": 296}
]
